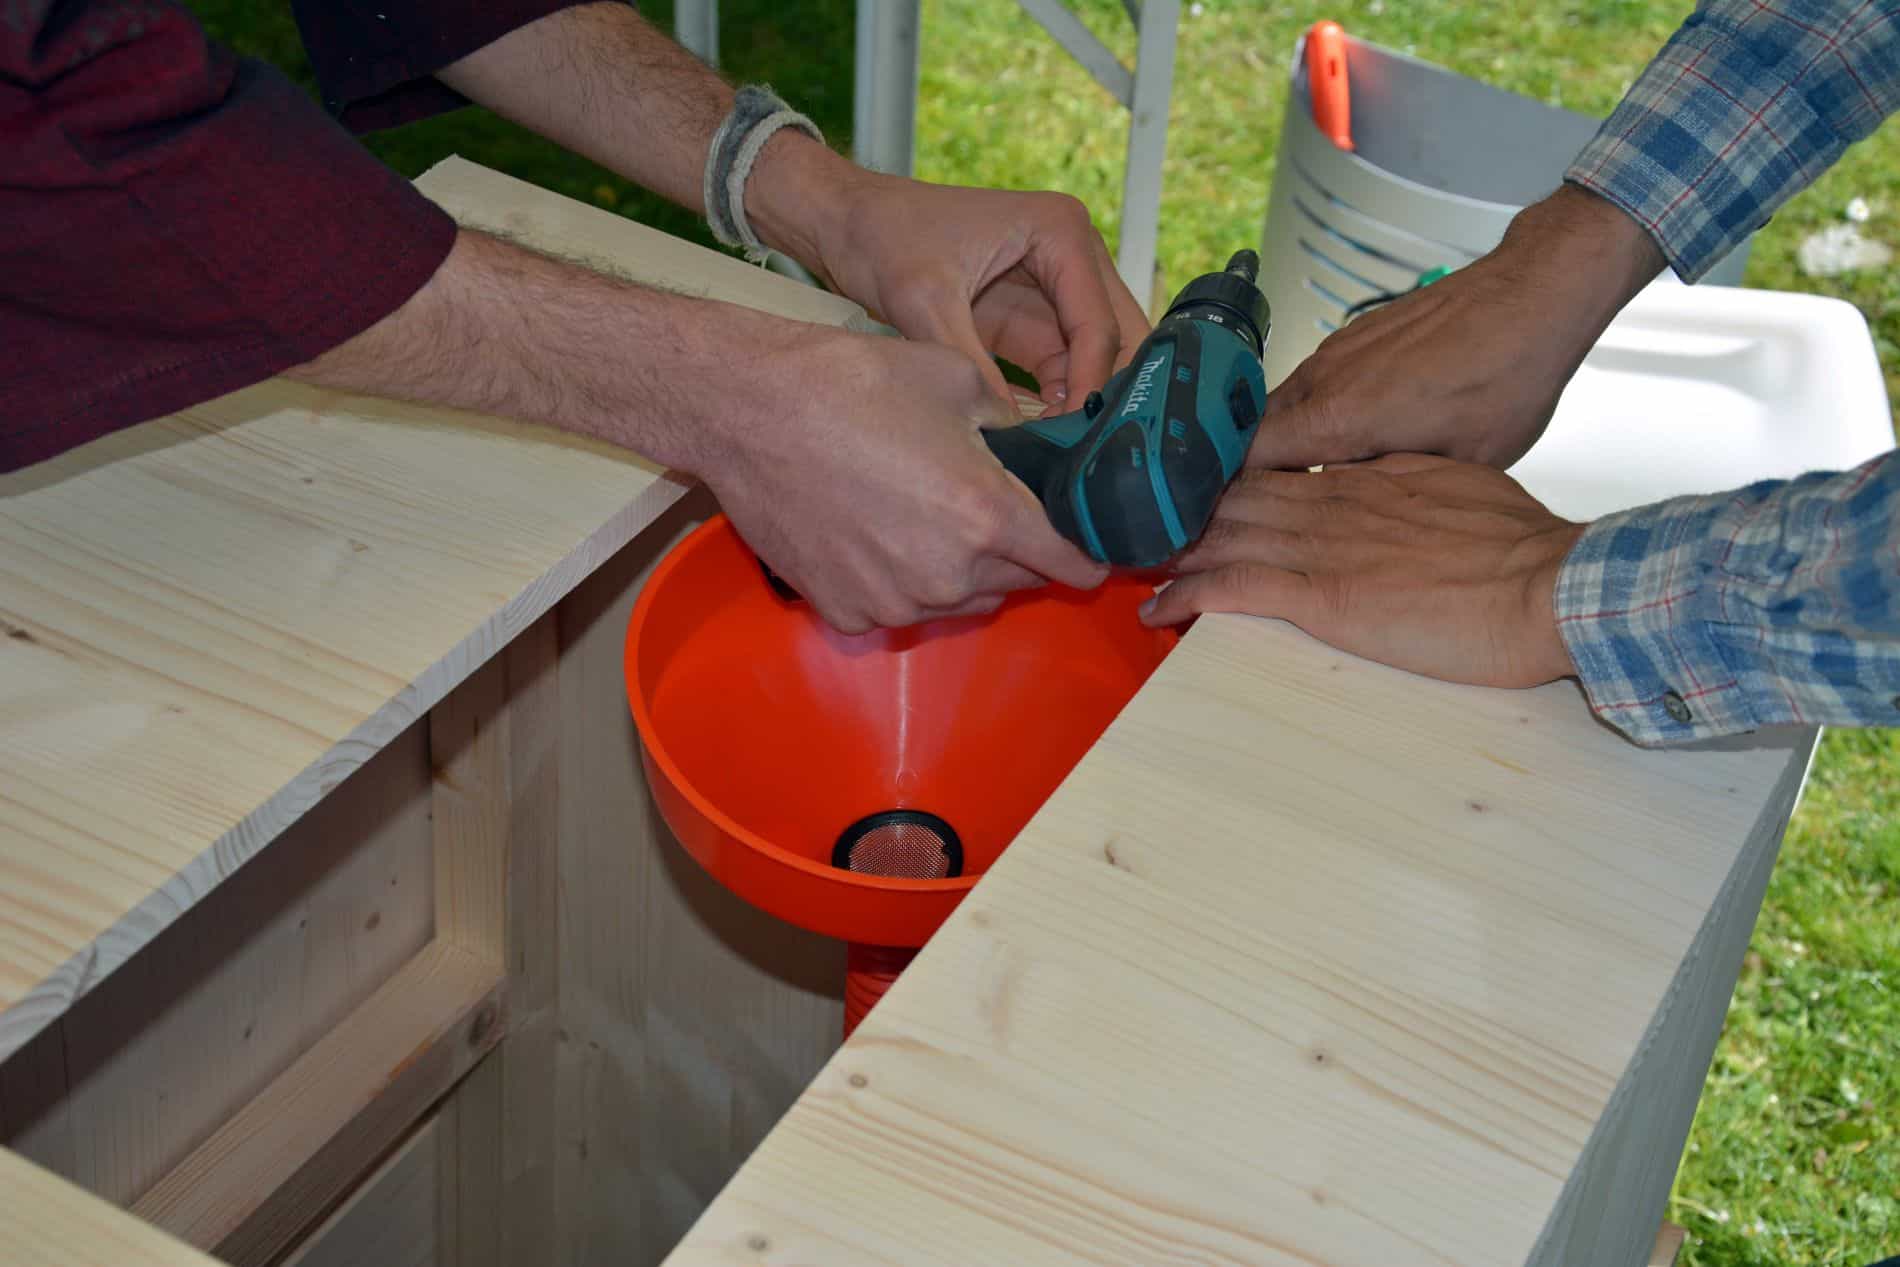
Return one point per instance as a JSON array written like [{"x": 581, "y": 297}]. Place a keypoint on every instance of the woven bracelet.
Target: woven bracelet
[{"x": 757, "y": 114}]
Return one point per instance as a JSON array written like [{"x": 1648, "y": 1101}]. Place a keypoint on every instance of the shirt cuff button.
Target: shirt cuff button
[{"x": 1676, "y": 707}]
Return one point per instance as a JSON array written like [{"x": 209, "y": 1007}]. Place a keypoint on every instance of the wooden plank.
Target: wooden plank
[
  {"x": 1309, "y": 961},
  {"x": 494, "y": 745},
  {"x": 222, "y": 1002},
  {"x": 35, "y": 1120},
  {"x": 1668, "y": 1246},
  {"x": 1621, "y": 1184},
  {"x": 390, "y": 1221},
  {"x": 51, "y": 1222},
  {"x": 689, "y": 1021},
  {"x": 213, "y": 618},
  {"x": 227, "y": 613},
  {"x": 482, "y": 199},
  {"x": 279, "y": 1162},
  {"x": 468, "y": 748}
]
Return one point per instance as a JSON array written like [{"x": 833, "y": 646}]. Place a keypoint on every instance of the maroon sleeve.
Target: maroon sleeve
[
  {"x": 178, "y": 222},
  {"x": 375, "y": 59}
]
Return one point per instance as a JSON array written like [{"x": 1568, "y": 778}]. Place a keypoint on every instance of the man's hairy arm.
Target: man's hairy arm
[
  {"x": 604, "y": 82},
  {"x": 1024, "y": 276},
  {"x": 501, "y": 329},
  {"x": 812, "y": 437}
]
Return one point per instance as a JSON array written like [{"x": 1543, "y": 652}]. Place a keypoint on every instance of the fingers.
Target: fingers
[
  {"x": 1255, "y": 485},
  {"x": 1052, "y": 376},
  {"x": 1131, "y": 319},
  {"x": 1063, "y": 260},
  {"x": 1229, "y": 541},
  {"x": 939, "y": 313},
  {"x": 1256, "y": 589},
  {"x": 982, "y": 606},
  {"x": 1401, "y": 464},
  {"x": 1302, "y": 432},
  {"x": 1031, "y": 541},
  {"x": 998, "y": 577}
]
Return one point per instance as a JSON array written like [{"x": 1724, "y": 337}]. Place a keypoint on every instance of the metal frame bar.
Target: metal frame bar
[
  {"x": 1080, "y": 43},
  {"x": 884, "y": 101},
  {"x": 696, "y": 27},
  {"x": 1146, "y": 91},
  {"x": 1147, "y": 146}
]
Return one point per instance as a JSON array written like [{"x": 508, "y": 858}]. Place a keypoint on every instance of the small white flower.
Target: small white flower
[
  {"x": 1376, "y": 7},
  {"x": 1196, "y": 9},
  {"x": 1858, "y": 211}
]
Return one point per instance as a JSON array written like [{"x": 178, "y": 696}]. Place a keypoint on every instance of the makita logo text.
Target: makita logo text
[{"x": 1144, "y": 384}]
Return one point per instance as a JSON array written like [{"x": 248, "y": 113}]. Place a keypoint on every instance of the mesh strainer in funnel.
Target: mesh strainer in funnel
[{"x": 904, "y": 844}]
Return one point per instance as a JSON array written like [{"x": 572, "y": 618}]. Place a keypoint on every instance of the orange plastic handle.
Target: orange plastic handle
[{"x": 1326, "y": 82}]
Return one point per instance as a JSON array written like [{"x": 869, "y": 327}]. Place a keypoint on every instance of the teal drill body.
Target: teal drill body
[{"x": 1133, "y": 475}]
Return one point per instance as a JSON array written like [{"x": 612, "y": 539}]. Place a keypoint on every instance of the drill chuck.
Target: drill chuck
[{"x": 1228, "y": 297}]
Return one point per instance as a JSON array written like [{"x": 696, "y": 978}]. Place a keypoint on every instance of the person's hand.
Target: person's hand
[
  {"x": 990, "y": 272},
  {"x": 1471, "y": 366},
  {"x": 864, "y": 483},
  {"x": 1024, "y": 276},
  {"x": 1440, "y": 567}
]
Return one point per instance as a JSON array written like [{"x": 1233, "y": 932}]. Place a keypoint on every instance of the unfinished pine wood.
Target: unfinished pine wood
[
  {"x": 1668, "y": 1246},
  {"x": 249, "y": 1190},
  {"x": 483, "y": 199},
  {"x": 203, "y": 1018},
  {"x": 53, "y": 1223},
  {"x": 1308, "y": 962},
  {"x": 690, "y": 1022},
  {"x": 390, "y": 1221},
  {"x": 1621, "y": 1184},
  {"x": 212, "y": 618},
  {"x": 495, "y": 746},
  {"x": 35, "y": 1121}
]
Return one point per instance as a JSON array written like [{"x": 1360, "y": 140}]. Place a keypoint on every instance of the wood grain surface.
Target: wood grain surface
[
  {"x": 339, "y": 903},
  {"x": 1309, "y": 962},
  {"x": 207, "y": 621},
  {"x": 690, "y": 1021},
  {"x": 390, "y": 1221},
  {"x": 250, "y": 1190},
  {"x": 70, "y": 1227}
]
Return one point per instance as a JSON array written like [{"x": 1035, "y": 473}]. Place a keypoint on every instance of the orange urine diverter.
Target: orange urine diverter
[
  {"x": 1328, "y": 84},
  {"x": 766, "y": 734}
]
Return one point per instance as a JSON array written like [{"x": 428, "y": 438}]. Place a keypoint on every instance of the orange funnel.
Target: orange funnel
[{"x": 772, "y": 742}]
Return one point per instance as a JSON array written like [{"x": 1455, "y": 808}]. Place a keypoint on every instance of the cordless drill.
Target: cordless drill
[{"x": 1132, "y": 476}]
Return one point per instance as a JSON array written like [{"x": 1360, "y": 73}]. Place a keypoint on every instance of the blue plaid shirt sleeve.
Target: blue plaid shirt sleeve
[
  {"x": 1744, "y": 107},
  {"x": 1775, "y": 604}
]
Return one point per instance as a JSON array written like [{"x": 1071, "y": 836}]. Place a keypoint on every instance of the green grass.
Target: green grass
[{"x": 1795, "y": 1157}]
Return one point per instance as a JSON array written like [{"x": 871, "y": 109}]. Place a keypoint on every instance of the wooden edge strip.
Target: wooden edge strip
[
  {"x": 288, "y": 1155},
  {"x": 1668, "y": 1246},
  {"x": 55, "y": 1223}
]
